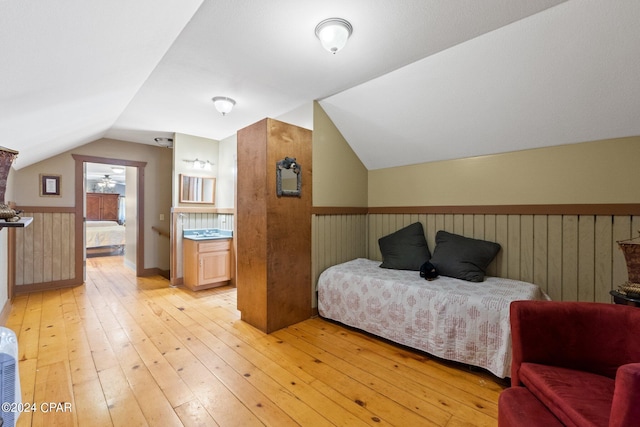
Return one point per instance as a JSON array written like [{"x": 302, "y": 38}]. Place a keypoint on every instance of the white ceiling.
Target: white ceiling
[
  {"x": 98, "y": 171},
  {"x": 419, "y": 80}
]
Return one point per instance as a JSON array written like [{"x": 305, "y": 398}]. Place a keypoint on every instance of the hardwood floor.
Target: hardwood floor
[{"x": 129, "y": 351}]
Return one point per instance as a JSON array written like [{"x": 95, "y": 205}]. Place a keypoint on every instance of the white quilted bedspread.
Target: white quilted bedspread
[{"x": 449, "y": 318}]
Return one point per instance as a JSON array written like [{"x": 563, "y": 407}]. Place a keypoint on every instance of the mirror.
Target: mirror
[
  {"x": 197, "y": 189},
  {"x": 288, "y": 177}
]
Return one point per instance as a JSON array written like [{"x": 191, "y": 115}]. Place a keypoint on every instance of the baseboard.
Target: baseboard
[
  {"x": 4, "y": 314},
  {"x": 155, "y": 272},
  {"x": 46, "y": 286}
]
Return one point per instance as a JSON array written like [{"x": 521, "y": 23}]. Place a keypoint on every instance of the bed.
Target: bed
[
  {"x": 104, "y": 234},
  {"x": 453, "y": 319}
]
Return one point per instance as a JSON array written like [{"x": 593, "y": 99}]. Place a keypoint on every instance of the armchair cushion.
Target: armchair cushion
[
  {"x": 562, "y": 390},
  {"x": 518, "y": 407},
  {"x": 576, "y": 362},
  {"x": 625, "y": 410},
  {"x": 592, "y": 337}
]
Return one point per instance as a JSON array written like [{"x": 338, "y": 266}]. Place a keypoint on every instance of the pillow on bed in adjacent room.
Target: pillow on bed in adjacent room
[
  {"x": 462, "y": 257},
  {"x": 406, "y": 249}
]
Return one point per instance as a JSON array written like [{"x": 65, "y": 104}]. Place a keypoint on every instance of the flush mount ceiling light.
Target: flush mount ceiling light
[
  {"x": 223, "y": 104},
  {"x": 117, "y": 170},
  {"x": 164, "y": 142},
  {"x": 333, "y": 33}
]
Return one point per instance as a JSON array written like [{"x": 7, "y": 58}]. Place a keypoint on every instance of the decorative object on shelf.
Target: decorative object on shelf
[
  {"x": 223, "y": 104},
  {"x": 288, "y": 177},
  {"x": 632, "y": 290},
  {"x": 8, "y": 214},
  {"x": 7, "y": 156},
  {"x": 631, "y": 250},
  {"x": 334, "y": 33},
  {"x": 50, "y": 185},
  {"x": 164, "y": 142}
]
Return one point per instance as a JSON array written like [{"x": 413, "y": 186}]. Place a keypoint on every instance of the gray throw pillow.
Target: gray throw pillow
[
  {"x": 462, "y": 257},
  {"x": 406, "y": 249}
]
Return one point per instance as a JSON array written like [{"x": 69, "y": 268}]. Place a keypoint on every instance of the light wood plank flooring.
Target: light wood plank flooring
[{"x": 129, "y": 351}]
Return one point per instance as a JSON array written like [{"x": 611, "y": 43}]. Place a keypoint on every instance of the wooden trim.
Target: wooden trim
[
  {"x": 569, "y": 209},
  {"x": 140, "y": 270},
  {"x": 48, "y": 209},
  {"x": 202, "y": 209},
  {"x": 339, "y": 210},
  {"x": 109, "y": 160},
  {"x": 79, "y": 220},
  {"x": 47, "y": 286},
  {"x": 6, "y": 310},
  {"x": 11, "y": 263},
  {"x": 79, "y": 208},
  {"x": 146, "y": 272},
  {"x": 173, "y": 248}
]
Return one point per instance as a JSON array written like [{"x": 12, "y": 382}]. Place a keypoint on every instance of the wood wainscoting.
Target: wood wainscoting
[
  {"x": 570, "y": 251},
  {"x": 337, "y": 236},
  {"x": 45, "y": 251}
]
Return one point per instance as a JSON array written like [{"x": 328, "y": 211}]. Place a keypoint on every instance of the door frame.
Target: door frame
[{"x": 80, "y": 194}]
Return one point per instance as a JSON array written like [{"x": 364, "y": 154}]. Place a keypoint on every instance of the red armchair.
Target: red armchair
[{"x": 574, "y": 364}]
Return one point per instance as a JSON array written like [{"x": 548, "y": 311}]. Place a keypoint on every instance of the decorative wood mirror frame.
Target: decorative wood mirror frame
[
  {"x": 288, "y": 177},
  {"x": 197, "y": 189}
]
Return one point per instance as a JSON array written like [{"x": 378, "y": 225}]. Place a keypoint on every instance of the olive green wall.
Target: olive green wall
[
  {"x": 339, "y": 177},
  {"x": 599, "y": 172}
]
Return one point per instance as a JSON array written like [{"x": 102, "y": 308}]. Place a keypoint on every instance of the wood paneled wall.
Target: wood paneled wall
[
  {"x": 187, "y": 220},
  {"x": 335, "y": 239},
  {"x": 572, "y": 257},
  {"x": 45, "y": 251}
]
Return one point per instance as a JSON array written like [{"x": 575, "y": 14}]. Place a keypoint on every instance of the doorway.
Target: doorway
[
  {"x": 135, "y": 233},
  {"x": 105, "y": 211}
]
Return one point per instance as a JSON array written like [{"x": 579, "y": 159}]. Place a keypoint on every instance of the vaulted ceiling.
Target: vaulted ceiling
[{"x": 419, "y": 80}]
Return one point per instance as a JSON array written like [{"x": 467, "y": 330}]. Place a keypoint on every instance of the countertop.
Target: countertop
[{"x": 207, "y": 234}]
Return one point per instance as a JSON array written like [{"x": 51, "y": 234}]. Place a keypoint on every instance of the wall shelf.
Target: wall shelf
[{"x": 23, "y": 222}]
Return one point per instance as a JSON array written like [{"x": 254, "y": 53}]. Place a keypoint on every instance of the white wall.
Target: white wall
[
  {"x": 189, "y": 147},
  {"x": 226, "y": 182}
]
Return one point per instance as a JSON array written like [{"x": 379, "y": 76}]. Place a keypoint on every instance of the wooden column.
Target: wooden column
[{"x": 273, "y": 234}]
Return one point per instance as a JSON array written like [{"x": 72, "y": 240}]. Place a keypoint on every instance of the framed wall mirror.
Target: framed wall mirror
[
  {"x": 288, "y": 177},
  {"x": 197, "y": 189}
]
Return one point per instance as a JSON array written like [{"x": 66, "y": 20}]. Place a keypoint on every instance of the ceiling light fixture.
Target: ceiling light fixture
[
  {"x": 106, "y": 182},
  {"x": 334, "y": 33},
  {"x": 164, "y": 142},
  {"x": 117, "y": 170},
  {"x": 223, "y": 104}
]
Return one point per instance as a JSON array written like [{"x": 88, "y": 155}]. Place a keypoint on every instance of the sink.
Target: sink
[{"x": 207, "y": 234}]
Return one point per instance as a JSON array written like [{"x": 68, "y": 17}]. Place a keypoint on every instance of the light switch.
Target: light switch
[{"x": 161, "y": 217}]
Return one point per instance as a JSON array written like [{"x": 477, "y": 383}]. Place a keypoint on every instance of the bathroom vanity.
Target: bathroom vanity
[{"x": 207, "y": 258}]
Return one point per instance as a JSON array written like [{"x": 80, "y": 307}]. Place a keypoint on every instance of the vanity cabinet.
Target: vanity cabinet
[{"x": 207, "y": 263}]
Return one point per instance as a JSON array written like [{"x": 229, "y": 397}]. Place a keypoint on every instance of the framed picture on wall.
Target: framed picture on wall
[{"x": 50, "y": 185}]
